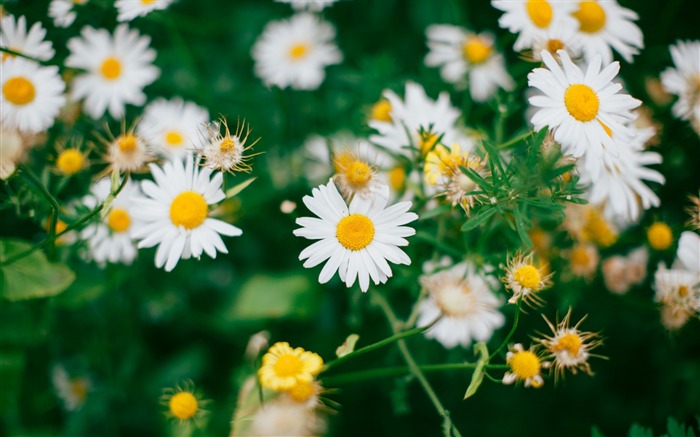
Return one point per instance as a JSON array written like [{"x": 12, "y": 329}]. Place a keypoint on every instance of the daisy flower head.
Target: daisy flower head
[
  {"x": 295, "y": 52},
  {"x": 127, "y": 10},
  {"x": 357, "y": 240},
  {"x": 305, "y": 393},
  {"x": 71, "y": 160},
  {"x": 14, "y": 36},
  {"x": 581, "y": 108},
  {"x": 679, "y": 290},
  {"x": 282, "y": 416},
  {"x": 118, "y": 67},
  {"x": 463, "y": 298},
  {"x": 308, "y": 5},
  {"x": 175, "y": 216},
  {"x": 583, "y": 260},
  {"x": 525, "y": 279},
  {"x": 32, "y": 95},
  {"x": 126, "y": 152},
  {"x": 13, "y": 148},
  {"x": 72, "y": 391},
  {"x": 688, "y": 254},
  {"x": 171, "y": 127},
  {"x": 62, "y": 13},
  {"x": 558, "y": 36},
  {"x": 355, "y": 174},
  {"x": 568, "y": 347},
  {"x": 466, "y": 57},
  {"x": 531, "y": 19},
  {"x": 283, "y": 367},
  {"x": 225, "y": 151},
  {"x": 660, "y": 236},
  {"x": 604, "y": 25},
  {"x": 525, "y": 365},
  {"x": 622, "y": 272},
  {"x": 684, "y": 79},
  {"x": 319, "y": 154},
  {"x": 184, "y": 403},
  {"x": 111, "y": 239}
]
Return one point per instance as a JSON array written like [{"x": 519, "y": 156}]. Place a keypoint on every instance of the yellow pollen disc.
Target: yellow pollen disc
[
  {"x": 60, "y": 226},
  {"x": 554, "y": 44},
  {"x": 78, "y": 388},
  {"x": 342, "y": 161},
  {"x": 111, "y": 68},
  {"x": 70, "y": 161},
  {"x": 19, "y": 90},
  {"x": 298, "y": 51},
  {"x": 302, "y": 391},
  {"x": 427, "y": 142},
  {"x": 476, "y": 50},
  {"x": 579, "y": 257},
  {"x": 127, "y": 143},
  {"x": 581, "y": 102},
  {"x": 683, "y": 291},
  {"x": 598, "y": 231},
  {"x": 591, "y": 17},
  {"x": 606, "y": 128},
  {"x": 355, "y": 231},
  {"x": 287, "y": 365},
  {"x": 528, "y": 276},
  {"x": 189, "y": 210},
  {"x": 540, "y": 12},
  {"x": 381, "y": 111},
  {"x": 569, "y": 342},
  {"x": 174, "y": 139},
  {"x": 227, "y": 145},
  {"x": 147, "y": 2},
  {"x": 183, "y": 405},
  {"x": 358, "y": 173},
  {"x": 397, "y": 178},
  {"x": 118, "y": 220},
  {"x": 660, "y": 236},
  {"x": 525, "y": 364}
]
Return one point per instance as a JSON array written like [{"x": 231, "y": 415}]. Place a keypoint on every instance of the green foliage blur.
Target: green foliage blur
[{"x": 133, "y": 331}]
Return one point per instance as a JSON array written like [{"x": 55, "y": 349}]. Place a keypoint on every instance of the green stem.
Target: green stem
[
  {"x": 512, "y": 330},
  {"x": 513, "y": 141},
  {"x": 364, "y": 375},
  {"x": 25, "y": 172},
  {"x": 22, "y": 55}
]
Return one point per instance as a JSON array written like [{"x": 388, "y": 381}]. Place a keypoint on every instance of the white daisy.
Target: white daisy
[
  {"x": 294, "y": 52},
  {"x": 678, "y": 288},
  {"x": 621, "y": 273},
  {"x": 118, "y": 68},
  {"x": 605, "y": 25},
  {"x": 558, "y": 36},
  {"x": 415, "y": 114},
  {"x": 32, "y": 95},
  {"x": 467, "y": 57},
  {"x": 580, "y": 107},
  {"x": 464, "y": 297},
  {"x": 318, "y": 151},
  {"x": 13, "y": 147},
  {"x": 126, "y": 152},
  {"x": 684, "y": 80},
  {"x": 175, "y": 213},
  {"x": 172, "y": 126},
  {"x": 14, "y": 36},
  {"x": 129, "y": 9},
  {"x": 525, "y": 279},
  {"x": 225, "y": 151},
  {"x": 111, "y": 239},
  {"x": 308, "y": 5},
  {"x": 62, "y": 11},
  {"x": 357, "y": 240},
  {"x": 532, "y": 18},
  {"x": 688, "y": 255}
]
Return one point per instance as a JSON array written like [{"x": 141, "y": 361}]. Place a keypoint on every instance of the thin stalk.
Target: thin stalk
[
  {"x": 513, "y": 141},
  {"x": 512, "y": 330},
  {"x": 365, "y": 375},
  {"x": 27, "y": 174}
]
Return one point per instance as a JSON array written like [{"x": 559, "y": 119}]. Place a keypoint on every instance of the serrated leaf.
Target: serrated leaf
[
  {"x": 348, "y": 346},
  {"x": 33, "y": 276},
  {"x": 238, "y": 188},
  {"x": 479, "y": 219},
  {"x": 478, "y": 375}
]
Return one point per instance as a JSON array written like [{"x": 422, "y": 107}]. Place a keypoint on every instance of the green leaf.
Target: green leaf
[
  {"x": 479, "y": 219},
  {"x": 33, "y": 276},
  {"x": 638, "y": 430},
  {"x": 348, "y": 346},
  {"x": 478, "y": 375},
  {"x": 238, "y": 188},
  {"x": 595, "y": 432}
]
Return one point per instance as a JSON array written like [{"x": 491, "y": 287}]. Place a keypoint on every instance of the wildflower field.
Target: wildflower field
[{"x": 350, "y": 218}]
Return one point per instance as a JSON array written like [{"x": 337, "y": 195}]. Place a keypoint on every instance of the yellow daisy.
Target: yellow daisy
[{"x": 283, "y": 367}]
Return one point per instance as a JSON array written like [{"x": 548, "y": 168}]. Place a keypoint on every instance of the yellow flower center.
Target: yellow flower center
[
  {"x": 298, "y": 51},
  {"x": 591, "y": 17},
  {"x": 189, "y": 210},
  {"x": 19, "y": 90},
  {"x": 127, "y": 143},
  {"x": 524, "y": 364},
  {"x": 660, "y": 236},
  {"x": 554, "y": 44},
  {"x": 227, "y": 145},
  {"x": 397, "y": 178},
  {"x": 302, "y": 391},
  {"x": 381, "y": 110},
  {"x": 569, "y": 342},
  {"x": 111, "y": 68},
  {"x": 579, "y": 257},
  {"x": 60, "y": 226},
  {"x": 528, "y": 276},
  {"x": 118, "y": 220},
  {"x": 342, "y": 161},
  {"x": 581, "y": 102},
  {"x": 598, "y": 230},
  {"x": 287, "y": 365},
  {"x": 183, "y": 405},
  {"x": 355, "y": 231},
  {"x": 358, "y": 173},
  {"x": 683, "y": 291},
  {"x": 540, "y": 12},
  {"x": 476, "y": 50},
  {"x": 78, "y": 388},
  {"x": 427, "y": 142},
  {"x": 455, "y": 298},
  {"x": 147, "y": 2},
  {"x": 173, "y": 138},
  {"x": 70, "y": 161}
]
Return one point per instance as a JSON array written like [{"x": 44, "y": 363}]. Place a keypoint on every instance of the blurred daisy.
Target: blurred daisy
[
  {"x": 318, "y": 153},
  {"x": 308, "y": 5},
  {"x": 583, "y": 260},
  {"x": 355, "y": 175},
  {"x": 525, "y": 279},
  {"x": 558, "y": 36},
  {"x": 71, "y": 160},
  {"x": 684, "y": 79},
  {"x": 532, "y": 18},
  {"x": 305, "y": 393},
  {"x": 586, "y": 223},
  {"x": 14, "y": 36},
  {"x": 172, "y": 126},
  {"x": 357, "y": 240},
  {"x": 688, "y": 253},
  {"x": 129, "y": 9},
  {"x": 118, "y": 68},
  {"x": 111, "y": 239},
  {"x": 604, "y": 25},
  {"x": 71, "y": 391},
  {"x": 525, "y": 365},
  {"x": 568, "y": 347},
  {"x": 283, "y": 367},
  {"x": 283, "y": 417},
  {"x": 679, "y": 292},
  {"x": 184, "y": 403},
  {"x": 579, "y": 108},
  {"x": 467, "y": 57},
  {"x": 294, "y": 52},
  {"x": 660, "y": 236},
  {"x": 62, "y": 11},
  {"x": 13, "y": 147},
  {"x": 126, "y": 152},
  {"x": 32, "y": 95},
  {"x": 464, "y": 297},
  {"x": 175, "y": 213},
  {"x": 622, "y": 272},
  {"x": 226, "y": 152}
]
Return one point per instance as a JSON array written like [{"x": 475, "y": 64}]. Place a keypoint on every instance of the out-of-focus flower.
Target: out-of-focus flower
[
  {"x": 71, "y": 391},
  {"x": 694, "y": 212},
  {"x": 62, "y": 13},
  {"x": 13, "y": 147},
  {"x": 283, "y": 367},
  {"x": 129, "y": 9},
  {"x": 525, "y": 365},
  {"x": 172, "y": 127},
  {"x": 308, "y": 5},
  {"x": 283, "y": 416},
  {"x": 126, "y": 152},
  {"x": 14, "y": 36},
  {"x": 287, "y": 206},
  {"x": 226, "y": 152},
  {"x": 558, "y": 36},
  {"x": 684, "y": 81},
  {"x": 525, "y": 279},
  {"x": 184, "y": 403},
  {"x": 620, "y": 273},
  {"x": 71, "y": 160},
  {"x": 583, "y": 260},
  {"x": 355, "y": 174},
  {"x": 660, "y": 236},
  {"x": 256, "y": 344}
]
